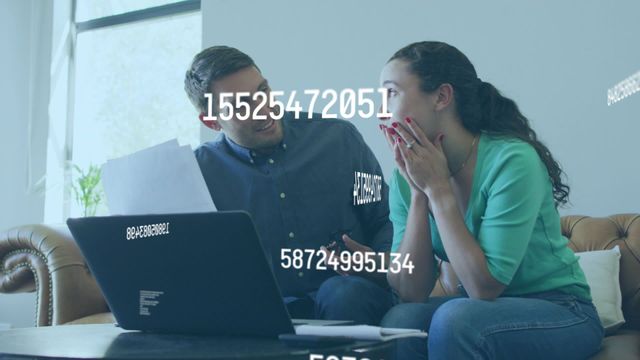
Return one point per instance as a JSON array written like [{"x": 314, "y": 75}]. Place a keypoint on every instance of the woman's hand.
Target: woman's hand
[
  {"x": 390, "y": 135},
  {"x": 424, "y": 161}
]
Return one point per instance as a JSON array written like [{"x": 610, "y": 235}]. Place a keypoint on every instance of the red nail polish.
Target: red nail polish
[
  {"x": 392, "y": 131},
  {"x": 400, "y": 140},
  {"x": 408, "y": 119},
  {"x": 394, "y": 124}
]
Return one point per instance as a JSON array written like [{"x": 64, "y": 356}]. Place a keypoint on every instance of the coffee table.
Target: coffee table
[{"x": 106, "y": 341}]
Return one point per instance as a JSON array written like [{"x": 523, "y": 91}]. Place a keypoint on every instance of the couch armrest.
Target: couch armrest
[{"x": 46, "y": 259}]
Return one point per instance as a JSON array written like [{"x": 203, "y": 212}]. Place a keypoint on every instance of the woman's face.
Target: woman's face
[{"x": 406, "y": 99}]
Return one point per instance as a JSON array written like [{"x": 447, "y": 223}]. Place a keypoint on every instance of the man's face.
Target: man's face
[{"x": 250, "y": 133}]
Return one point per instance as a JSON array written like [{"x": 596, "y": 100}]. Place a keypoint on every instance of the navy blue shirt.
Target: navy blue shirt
[{"x": 300, "y": 195}]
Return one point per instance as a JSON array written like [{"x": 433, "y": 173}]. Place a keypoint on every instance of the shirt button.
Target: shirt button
[
  {"x": 284, "y": 146},
  {"x": 282, "y": 195},
  {"x": 253, "y": 153},
  {"x": 291, "y": 235},
  {"x": 251, "y": 161},
  {"x": 300, "y": 274},
  {"x": 271, "y": 161}
]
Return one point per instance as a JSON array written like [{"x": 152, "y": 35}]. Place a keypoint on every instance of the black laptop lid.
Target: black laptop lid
[{"x": 203, "y": 273}]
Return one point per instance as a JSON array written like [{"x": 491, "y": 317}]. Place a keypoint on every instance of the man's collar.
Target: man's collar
[
  {"x": 251, "y": 155},
  {"x": 241, "y": 151}
]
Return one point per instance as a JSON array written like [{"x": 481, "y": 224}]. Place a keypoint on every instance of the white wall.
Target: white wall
[
  {"x": 555, "y": 59},
  {"x": 24, "y": 66}
]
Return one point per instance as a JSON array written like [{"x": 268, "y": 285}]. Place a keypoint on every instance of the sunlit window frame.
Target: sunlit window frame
[{"x": 152, "y": 13}]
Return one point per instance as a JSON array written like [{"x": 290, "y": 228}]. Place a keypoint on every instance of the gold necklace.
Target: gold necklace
[{"x": 467, "y": 159}]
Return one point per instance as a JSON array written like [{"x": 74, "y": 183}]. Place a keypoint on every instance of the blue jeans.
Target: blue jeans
[
  {"x": 343, "y": 298},
  {"x": 549, "y": 325}
]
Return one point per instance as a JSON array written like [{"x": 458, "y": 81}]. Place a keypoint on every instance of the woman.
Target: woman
[{"x": 475, "y": 187}]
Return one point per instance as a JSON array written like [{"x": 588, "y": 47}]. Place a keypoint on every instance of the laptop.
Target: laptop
[{"x": 185, "y": 273}]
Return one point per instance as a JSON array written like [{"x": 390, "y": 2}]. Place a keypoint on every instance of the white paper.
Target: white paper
[
  {"x": 360, "y": 332},
  {"x": 162, "y": 179}
]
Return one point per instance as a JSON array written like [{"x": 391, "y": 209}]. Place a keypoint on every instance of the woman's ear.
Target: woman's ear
[
  {"x": 211, "y": 124},
  {"x": 444, "y": 96}
]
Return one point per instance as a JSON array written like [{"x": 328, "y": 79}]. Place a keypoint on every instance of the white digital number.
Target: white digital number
[
  {"x": 285, "y": 258},
  {"x": 224, "y": 104},
  {"x": 364, "y": 101},
  {"x": 273, "y": 103},
  {"x": 242, "y": 104}
]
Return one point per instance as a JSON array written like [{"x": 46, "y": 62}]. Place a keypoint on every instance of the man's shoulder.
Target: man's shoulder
[{"x": 209, "y": 148}]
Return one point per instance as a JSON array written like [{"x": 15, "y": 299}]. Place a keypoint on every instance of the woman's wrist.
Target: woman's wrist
[
  {"x": 443, "y": 201},
  {"x": 440, "y": 193},
  {"x": 418, "y": 197}
]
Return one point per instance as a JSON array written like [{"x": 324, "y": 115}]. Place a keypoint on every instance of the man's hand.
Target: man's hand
[{"x": 335, "y": 261}]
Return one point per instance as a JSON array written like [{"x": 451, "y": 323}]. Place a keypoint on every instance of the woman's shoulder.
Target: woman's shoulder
[
  {"x": 508, "y": 158},
  {"x": 499, "y": 149}
]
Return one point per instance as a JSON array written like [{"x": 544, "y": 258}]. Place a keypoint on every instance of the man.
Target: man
[{"x": 296, "y": 179}]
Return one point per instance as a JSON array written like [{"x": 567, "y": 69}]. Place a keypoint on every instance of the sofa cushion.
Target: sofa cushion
[
  {"x": 602, "y": 270},
  {"x": 599, "y": 233}
]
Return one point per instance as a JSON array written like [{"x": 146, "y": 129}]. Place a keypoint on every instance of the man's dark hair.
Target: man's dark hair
[{"x": 210, "y": 65}]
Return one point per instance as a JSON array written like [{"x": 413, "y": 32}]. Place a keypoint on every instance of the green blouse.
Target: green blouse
[{"x": 512, "y": 216}]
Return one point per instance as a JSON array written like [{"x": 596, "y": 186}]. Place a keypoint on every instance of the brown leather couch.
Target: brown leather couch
[{"x": 45, "y": 259}]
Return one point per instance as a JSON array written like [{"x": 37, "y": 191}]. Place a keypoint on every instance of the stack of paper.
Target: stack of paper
[
  {"x": 162, "y": 179},
  {"x": 359, "y": 332}
]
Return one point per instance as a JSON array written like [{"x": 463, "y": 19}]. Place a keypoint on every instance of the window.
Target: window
[
  {"x": 95, "y": 9},
  {"x": 126, "y": 92}
]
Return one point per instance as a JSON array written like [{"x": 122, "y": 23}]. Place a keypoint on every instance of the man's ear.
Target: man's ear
[
  {"x": 444, "y": 96},
  {"x": 211, "y": 124}
]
